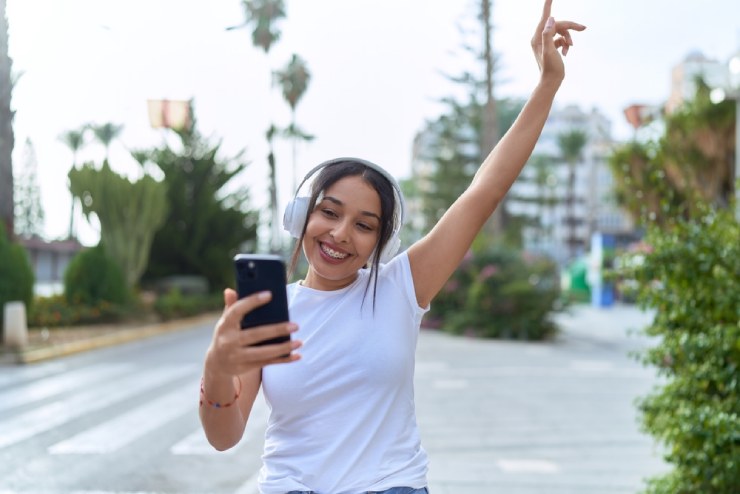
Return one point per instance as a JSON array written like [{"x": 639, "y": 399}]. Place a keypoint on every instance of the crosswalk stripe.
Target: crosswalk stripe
[
  {"x": 261, "y": 413},
  {"x": 196, "y": 443},
  {"x": 59, "y": 384},
  {"x": 36, "y": 491},
  {"x": 47, "y": 417},
  {"x": 114, "y": 434},
  {"x": 23, "y": 374},
  {"x": 250, "y": 486}
]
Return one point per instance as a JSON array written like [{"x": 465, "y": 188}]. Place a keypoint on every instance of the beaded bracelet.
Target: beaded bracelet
[{"x": 216, "y": 404}]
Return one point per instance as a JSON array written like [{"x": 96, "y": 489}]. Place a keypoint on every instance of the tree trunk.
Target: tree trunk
[
  {"x": 490, "y": 134},
  {"x": 275, "y": 243},
  {"x": 7, "y": 140}
]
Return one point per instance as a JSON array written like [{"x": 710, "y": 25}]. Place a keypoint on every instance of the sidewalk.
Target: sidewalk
[
  {"x": 60, "y": 342},
  {"x": 530, "y": 417},
  {"x": 512, "y": 417}
]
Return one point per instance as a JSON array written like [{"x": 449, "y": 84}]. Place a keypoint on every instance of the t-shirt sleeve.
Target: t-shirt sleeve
[{"x": 399, "y": 270}]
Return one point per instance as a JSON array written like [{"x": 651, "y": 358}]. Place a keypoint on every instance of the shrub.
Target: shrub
[
  {"x": 16, "y": 275},
  {"x": 692, "y": 279},
  {"x": 56, "y": 311},
  {"x": 92, "y": 277},
  {"x": 500, "y": 294},
  {"x": 174, "y": 304}
]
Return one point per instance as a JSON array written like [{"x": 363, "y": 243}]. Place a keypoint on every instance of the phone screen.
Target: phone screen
[{"x": 256, "y": 273}]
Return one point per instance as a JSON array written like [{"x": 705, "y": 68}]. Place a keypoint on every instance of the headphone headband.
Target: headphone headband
[{"x": 369, "y": 164}]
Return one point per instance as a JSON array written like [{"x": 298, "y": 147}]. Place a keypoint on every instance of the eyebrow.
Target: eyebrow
[{"x": 340, "y": 203}]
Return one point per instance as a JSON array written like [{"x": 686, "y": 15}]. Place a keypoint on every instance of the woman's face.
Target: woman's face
[{"x": 341, "y": 234}]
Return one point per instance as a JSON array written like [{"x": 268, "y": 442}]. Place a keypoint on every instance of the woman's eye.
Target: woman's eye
[
  {"x": 329, "y": 213},
  {"x": 364, "y": 227}
]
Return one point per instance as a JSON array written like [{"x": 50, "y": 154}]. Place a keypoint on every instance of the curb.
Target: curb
[{"x": 38, "y": 354}]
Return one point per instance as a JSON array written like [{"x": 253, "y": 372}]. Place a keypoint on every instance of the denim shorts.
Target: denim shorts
[{"x": 393, "y": 490}]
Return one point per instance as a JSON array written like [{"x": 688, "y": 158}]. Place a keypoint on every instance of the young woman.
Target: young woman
[{"x": 342, "y": 417}]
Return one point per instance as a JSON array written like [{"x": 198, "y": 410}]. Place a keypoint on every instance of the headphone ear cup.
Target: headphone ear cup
[
  {"x": 390, "y": 248},
  {"x": 295, "y": 216}
]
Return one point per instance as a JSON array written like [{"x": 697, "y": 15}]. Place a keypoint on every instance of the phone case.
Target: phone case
[{"x": 256, "y": 273}]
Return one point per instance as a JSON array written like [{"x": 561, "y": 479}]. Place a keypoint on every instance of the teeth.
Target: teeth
[{"x": 333, "y": 253}]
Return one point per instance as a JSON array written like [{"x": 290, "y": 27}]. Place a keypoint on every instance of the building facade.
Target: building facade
[
  {"x": 49, "y": 261},
  {"x": 541, "y": 192}
]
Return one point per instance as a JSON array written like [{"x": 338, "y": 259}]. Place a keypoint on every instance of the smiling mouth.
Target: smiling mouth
[{"x": 332, "y": 253}]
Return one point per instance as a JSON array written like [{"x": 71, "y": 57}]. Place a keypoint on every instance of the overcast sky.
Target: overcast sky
[{"x": 376, "y": 72}]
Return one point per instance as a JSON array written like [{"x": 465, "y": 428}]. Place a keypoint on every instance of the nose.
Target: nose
[{"x": 341, "y": 231}]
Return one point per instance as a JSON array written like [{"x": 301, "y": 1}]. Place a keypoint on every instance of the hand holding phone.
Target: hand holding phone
[{"x": 257, "y": 273}]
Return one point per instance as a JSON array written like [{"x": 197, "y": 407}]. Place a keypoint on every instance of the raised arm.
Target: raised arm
[{"x": 435, "y": 257}]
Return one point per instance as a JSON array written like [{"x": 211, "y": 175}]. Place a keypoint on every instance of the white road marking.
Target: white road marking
[
  {"x": 250, "y": 486},
  {"x": 592, "y": 365},
  {"x": 451, "y": 384},
  {"x": 54, "y": 414},
  {"x": 196, "y": 443},
  {"x": 20, "y": 375},
  {"x": 114, "y": 434},
  {"x": 59, "y": 384},
  {"x": 528, "y": 466}
]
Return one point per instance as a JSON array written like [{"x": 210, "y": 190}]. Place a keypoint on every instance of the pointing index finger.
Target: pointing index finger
[{"x": 545, "y": 14}]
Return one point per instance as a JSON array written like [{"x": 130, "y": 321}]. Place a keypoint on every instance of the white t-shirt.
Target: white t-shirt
[{"x": 342, "y": 418}]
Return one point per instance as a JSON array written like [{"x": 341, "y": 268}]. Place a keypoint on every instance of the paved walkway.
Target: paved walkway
[
  {"x": 509, "y": 417},
  {"x": 526, "y": 418}
]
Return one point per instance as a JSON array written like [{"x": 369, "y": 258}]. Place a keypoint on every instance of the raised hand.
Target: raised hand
[{"x": 550, "y": 36}]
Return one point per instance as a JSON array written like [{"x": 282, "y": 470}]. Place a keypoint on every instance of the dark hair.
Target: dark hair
[{"x": 331, "y": 174}]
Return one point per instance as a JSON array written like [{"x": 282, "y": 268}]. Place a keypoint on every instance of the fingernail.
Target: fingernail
[
  {"x": 292, "y": 327},
  {"x": 263, "y": 295},
  {"x": 550, "y": 22},
  {"x": 296, "y": 344}
]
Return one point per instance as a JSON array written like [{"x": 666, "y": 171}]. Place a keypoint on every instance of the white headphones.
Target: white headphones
[{"x": 298, "y": 210}]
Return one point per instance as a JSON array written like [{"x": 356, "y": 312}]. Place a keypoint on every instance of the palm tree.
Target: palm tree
[
  {"x": 490, "y": 134},
  {"x": 106, "y": 134},
  {"x": 571, "y": 146},
  {"x": 75, "y": 140},
  {"x": 262, "y": 16},
  {"x": 7, "y": 139},
  {"x": 543, "y": 177},
  {"x": 293, "y": 80}
]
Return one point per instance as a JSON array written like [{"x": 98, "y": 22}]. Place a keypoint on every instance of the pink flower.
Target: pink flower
[{"x": 487, "y": 271}]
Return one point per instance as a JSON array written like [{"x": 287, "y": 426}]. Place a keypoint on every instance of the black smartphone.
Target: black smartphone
[{"x": 260, "y": 272}]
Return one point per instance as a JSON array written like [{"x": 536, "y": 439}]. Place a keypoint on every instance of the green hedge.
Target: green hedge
[
  {"x": 500, "y": 294},
  {"x": 92, "y": 277},
  {"x": 692, "y": 279},
  {"x": 56, "y": 311},
  {"x": 16, "y": 275},
  {"x": 174, "y": 304}
]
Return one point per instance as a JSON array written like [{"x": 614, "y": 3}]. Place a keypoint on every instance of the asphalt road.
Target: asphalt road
[{"x": 495, "y": 417}]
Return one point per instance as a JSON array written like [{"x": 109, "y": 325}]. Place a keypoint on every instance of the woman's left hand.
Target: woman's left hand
[{"x": 550, "y": 36}]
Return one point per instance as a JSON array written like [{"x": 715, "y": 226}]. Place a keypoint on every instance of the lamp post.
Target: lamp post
[{"x": 732, "y": 91}]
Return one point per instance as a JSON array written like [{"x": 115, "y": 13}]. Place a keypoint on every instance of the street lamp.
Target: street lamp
[{"x": 732, "y": 91}]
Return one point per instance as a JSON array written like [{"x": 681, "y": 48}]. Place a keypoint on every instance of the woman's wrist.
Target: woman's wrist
[
  {"x": 549, "y": 83},
  {"x": 212, "y": 396}
]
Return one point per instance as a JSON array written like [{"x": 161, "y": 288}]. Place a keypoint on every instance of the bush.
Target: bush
[
  {"x": 692, "y": 279},
  {"x": 56, "y": 311},
  {"x": 92, "y": 277},
  {"x": 174, "y": 304},
  {"x": 16, "y": 275},
  {"x": 500, "y": 294}
]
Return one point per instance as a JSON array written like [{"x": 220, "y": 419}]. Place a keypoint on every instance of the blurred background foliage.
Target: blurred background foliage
[{"x": 691, "y": 278}]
